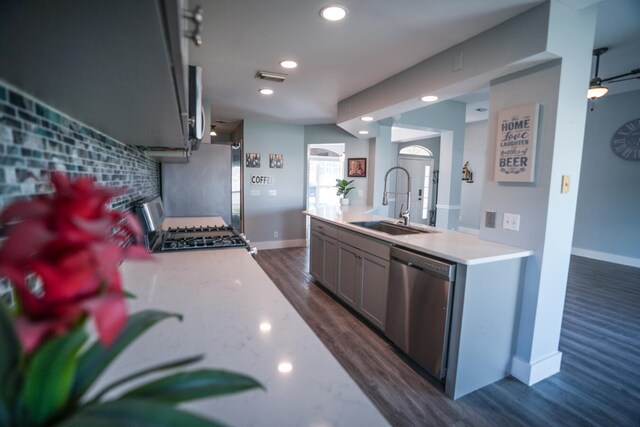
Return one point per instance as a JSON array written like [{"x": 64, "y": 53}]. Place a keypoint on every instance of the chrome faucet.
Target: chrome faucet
[{"x": 404, "y": 215}]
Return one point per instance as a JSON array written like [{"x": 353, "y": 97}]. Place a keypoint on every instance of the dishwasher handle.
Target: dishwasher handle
[{"x": 424, "y": 263}]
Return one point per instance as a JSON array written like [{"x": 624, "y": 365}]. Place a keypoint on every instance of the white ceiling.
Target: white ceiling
[{"x": 378, "y": 39}]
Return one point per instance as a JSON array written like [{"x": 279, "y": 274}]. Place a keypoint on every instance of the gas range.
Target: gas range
[
  {"x": 151, "y": 214},
  {"x": 189, "y": 238}
]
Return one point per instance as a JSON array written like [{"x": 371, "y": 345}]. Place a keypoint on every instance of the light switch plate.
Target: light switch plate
[{"x": 511, "y": 222}]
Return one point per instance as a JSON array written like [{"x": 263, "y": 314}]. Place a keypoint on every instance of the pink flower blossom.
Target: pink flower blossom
[{"x": 73, "y": 244}]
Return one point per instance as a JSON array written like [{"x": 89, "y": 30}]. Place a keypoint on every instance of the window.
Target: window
[
  {"x": 416, "y": 150},
  {"x": 326, "y": 164}
]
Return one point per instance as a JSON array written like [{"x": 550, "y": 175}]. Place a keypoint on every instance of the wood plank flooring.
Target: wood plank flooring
[{"x": 599, "y": 382}]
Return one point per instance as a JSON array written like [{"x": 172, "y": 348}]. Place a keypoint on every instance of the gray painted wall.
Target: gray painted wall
[
  {"x": 609, "y": 197},
  {"x": 266, "y": 214},
  {"x": 201, "y": 187},
  {"x": 547, "y": 216},
  {"x": 475, "y": 147}
]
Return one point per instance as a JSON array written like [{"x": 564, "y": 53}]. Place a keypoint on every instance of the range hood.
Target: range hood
[{"x": 167, "y": 155}]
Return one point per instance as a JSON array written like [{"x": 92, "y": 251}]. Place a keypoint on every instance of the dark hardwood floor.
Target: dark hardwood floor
[{"x": 599, "y": 382}]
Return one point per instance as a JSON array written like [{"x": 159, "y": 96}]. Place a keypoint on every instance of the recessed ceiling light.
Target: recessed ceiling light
[
  {"x": 366, "y": 118},
  {"x": 266, "y": 91},
  {"x": 333, "y": 13},
  {"x": 288, "y": 64},
  {"x": 363, "y": 132},
  {"x": 429, "y": 98}
]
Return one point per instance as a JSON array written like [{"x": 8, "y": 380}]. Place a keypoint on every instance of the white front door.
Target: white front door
[{"x": 420, "y": 169}]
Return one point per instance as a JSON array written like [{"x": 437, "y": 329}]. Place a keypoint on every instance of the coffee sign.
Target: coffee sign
[{"x": 516, "y": 143}]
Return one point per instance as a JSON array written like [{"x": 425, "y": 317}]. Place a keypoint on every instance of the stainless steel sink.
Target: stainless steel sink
[{"x": 389, "y": 228}]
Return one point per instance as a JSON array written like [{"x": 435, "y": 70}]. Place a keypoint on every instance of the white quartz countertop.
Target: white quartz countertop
[
  {"x": 452, "y": 245},
  {"x": 236, "y": 317}
]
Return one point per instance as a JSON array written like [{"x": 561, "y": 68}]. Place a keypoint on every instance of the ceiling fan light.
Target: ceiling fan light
[{"x": 596, "y": 91}]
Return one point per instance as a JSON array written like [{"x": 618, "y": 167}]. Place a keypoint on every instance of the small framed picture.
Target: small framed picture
[
  {"x": 357, "y": 168},
  {"x": 252, "y": 160},
  {"x": 276, "y": 161}
]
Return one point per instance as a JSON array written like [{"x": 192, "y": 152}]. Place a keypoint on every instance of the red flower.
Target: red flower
[{"x": 73, "y": 245}]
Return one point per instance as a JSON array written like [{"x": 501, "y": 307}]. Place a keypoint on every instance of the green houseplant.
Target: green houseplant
[
  {"x": 61, "y": 255},
  {"x": 344, "y": 187}
]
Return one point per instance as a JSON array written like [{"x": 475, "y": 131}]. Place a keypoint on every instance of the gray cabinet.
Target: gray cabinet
[
  {"x": 323, "y": 259},
  {"x": 363, "y": 275},
  {"x": 115, "y": 66},
  {"x": 349, "y": 274},
  {"x": 353, "y": 266}
]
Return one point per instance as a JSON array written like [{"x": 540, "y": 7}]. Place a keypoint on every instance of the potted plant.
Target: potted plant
[
  {"x": 71, "y": 244},
  {"x": 344, "y": 187}
]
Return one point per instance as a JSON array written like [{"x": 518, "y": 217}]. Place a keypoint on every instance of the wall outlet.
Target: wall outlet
[
  {"x": 511, "y": 222},
  {"x": 490, "y": 219},
  {"x": 275, "y": 234}
]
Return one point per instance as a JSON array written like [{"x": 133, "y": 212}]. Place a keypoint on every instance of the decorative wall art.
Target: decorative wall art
[
  {"x": 357, "y": 168},
  {"x": 253, "y": 160},
  {"x": 467, "y": 173},
  {"x": 276, "y": 161},
  {"x": 516, "y": 140}
]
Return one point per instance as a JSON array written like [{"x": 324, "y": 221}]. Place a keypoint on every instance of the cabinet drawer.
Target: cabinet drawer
[
  {"x": 373, "y": 246},
  {"x": 324, "y": 228}
]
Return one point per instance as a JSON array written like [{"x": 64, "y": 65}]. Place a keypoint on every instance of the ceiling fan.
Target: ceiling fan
[{"x": 596, "y": 89}]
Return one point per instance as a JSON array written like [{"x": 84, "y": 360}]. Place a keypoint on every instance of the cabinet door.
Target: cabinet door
[
  {"x": 330, "y": 273},
  {"x": 316, "y": 264},
  {"x": 374, "y": 282},
  {"x": 349, "y": 274}
]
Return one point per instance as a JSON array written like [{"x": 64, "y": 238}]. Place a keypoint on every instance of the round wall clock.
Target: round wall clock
[{"x": 626, "y": 140}]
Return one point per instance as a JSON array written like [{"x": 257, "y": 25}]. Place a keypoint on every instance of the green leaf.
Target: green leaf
[
  {"x": 185, "y": 386},
  {"x": 96, "y": 359},
  {"x": 169, "y": 365},
  {"x": 9, "y": 358},
  {"x": 135, "y": 413},
  {"x": 49, "y": 376},
  {"x": 5, "y": 418}
]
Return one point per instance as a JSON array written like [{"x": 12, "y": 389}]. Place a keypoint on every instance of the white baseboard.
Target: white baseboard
[
  {"x": 467, "y": 230},
  {"x": 532, "y": 373},
  {"x": 603, "y": 256},
  {"x": 280, "y": 244}
]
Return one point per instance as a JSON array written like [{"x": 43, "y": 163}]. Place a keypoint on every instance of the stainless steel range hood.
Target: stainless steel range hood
[{"x": 168, "y": 155}]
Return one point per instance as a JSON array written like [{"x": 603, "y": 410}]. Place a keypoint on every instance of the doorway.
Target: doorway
[
  {"x": 325, "y": 164},
  {"x": 419, "y": 162}
]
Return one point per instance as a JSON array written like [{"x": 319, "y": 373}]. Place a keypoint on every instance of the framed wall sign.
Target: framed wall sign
[
  {"x": 276, "y": 161},
  {"x": 516, "y": 140},
  {"x": 252, "y": 160},
  {"x": 357, "y": 168}
]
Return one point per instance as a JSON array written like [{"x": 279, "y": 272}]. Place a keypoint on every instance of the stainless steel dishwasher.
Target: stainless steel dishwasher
[{"x": 418, "y": 308}]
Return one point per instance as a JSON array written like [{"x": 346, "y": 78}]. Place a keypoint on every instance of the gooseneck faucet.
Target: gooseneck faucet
[{"x": 404, "y": 215}]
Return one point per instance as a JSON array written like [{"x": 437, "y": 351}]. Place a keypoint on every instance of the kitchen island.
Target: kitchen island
[
  {"x": 236, "y": 317},
  {"x": 481, "y": 305},
  {"x": 461, "y": 248}
]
